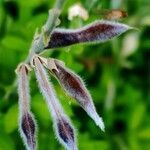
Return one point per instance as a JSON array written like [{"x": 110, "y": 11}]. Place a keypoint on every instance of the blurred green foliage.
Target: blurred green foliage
[{"x": 117, "y": 73}]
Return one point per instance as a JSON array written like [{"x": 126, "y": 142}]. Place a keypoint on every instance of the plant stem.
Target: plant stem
[{"x": 38, "y": 43}]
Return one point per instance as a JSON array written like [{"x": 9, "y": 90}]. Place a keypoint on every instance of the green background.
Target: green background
[{"x": 117, "y": 74}]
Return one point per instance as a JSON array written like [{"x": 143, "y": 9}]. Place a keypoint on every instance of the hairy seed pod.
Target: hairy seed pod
[
  {"x": 75, "y": 87},
  {"x": 99, "y": 31},
  {"x": 64, "y": 130},
  {"x": 23, "y": 88},
  {"x": 26, "y": 120},
  {"x": 65, "y": 133},
  {"x": 28, "y": 130}
]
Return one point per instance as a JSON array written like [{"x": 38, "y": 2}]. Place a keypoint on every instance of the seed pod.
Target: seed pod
[
  {"x": 65, "y": 133},
  {"x": 99, "y": 31},
  {"x": 28, "y": 130},
  {"x": 26, "y": 120},
  {"x": 23, "y": 88},
  {"x": 46, "y": 88},
  {"x": 75, "y": 87},
  {"x": 64, "y": 130}
]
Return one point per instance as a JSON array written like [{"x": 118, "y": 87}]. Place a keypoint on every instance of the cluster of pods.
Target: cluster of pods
[{"x": 99, "y": 31}]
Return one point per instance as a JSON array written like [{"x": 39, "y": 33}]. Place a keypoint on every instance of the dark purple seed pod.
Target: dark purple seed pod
[
  {"x": 75, "y": 87},
  {"x": 28, "y": 131},
  {"x": 27, "y": 123},
  {"x": 63, "y": 128},
  {"x": 99, "y": 31},
  {"x": 65, "y": 133}
]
